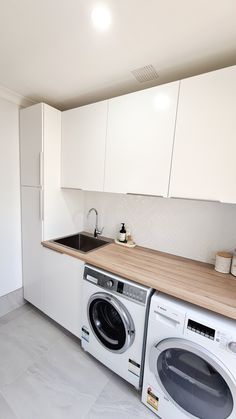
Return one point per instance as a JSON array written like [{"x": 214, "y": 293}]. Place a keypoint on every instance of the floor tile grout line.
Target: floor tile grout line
[
  {"x": 37, "y": 360},
  {"x": 34, "y": 361},
  {"x": 2, "y": 323},
  {"x": 9, "y": 405},
  {"x": 48, "y": 352},
  {"x": 103, "y": 388}
]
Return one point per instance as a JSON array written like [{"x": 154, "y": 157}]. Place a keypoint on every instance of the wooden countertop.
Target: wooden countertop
[{"x": 189, "y": 280}]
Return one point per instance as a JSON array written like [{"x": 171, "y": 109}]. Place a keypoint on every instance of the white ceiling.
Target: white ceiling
[{"x": 51, "y": 52}]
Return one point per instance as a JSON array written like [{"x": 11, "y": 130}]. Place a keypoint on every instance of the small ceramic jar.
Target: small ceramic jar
[{"x": 223, "y": 262}]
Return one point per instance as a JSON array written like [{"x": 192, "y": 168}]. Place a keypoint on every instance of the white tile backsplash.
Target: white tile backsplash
[{"x": 193, "y": 229}]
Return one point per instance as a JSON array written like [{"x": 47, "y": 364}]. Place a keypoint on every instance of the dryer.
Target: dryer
[
  {"x": 190, "y": 366},
  {"x": 114, "y": 322}
]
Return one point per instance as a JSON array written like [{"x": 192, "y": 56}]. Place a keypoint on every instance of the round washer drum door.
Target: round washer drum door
[
  {"x": 193, "y": 378},
  {"x": 110, "y": 322}
]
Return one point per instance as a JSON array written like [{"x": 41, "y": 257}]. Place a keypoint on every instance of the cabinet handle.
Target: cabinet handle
[
  {"x": 73, "y": 189},
  {"x": 195, "y": 199},
  {"x": 144, "y": 194},
  {"x": 228, "y": 202},
  {"x": 41, "y": 205},
  {"x": 41, "y": 168}
]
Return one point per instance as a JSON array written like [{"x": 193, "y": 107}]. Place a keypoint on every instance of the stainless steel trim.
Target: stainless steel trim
[
  {"x": 97, "y": 231},
  {"x": 194, "y": 199},
  {"x": 124, "y": 314},
  {"x": 119, "y": 278},
  {"x": 143, "y": 291},
  {"x": 144, "y": 194},
  {"x": 148, "y": 303},
  {"x": 41, "y": 180},
  {"x": 41, "y": 204},
  {"x": 81, "y": 234},
  {"x": 172, "y": 343},
  {"x": 29, "y": 186},
  {"x": 70, "y": 187}
]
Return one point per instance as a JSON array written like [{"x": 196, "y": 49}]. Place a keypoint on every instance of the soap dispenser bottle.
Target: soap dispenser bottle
[{"x": 122, "y": 236}]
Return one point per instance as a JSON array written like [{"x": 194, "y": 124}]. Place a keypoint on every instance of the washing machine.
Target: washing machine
[
  {"x": 114, "y": 321},
  {"x": 190, "y": 365}
]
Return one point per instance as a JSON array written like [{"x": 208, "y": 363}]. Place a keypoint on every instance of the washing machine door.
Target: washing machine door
[
  {"x": 193, "y": 379},
  {"x": 110, "y": 322}
]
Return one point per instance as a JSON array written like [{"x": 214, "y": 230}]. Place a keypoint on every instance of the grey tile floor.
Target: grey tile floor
[{"x": 44, "y": 374}]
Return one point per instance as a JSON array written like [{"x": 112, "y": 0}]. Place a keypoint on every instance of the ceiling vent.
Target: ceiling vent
[{"x": 144, "y": 74}]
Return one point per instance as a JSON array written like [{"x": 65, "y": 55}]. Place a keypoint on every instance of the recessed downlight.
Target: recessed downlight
[{"x": 101, "y": 17}]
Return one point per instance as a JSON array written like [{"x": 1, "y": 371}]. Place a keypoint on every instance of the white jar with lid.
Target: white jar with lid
[
  {"x": 233, "y": 266},
  {"x": 223, "y": 262}
]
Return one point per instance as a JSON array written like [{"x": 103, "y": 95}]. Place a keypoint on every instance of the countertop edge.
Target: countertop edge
[{"x": 189, "y": 294}]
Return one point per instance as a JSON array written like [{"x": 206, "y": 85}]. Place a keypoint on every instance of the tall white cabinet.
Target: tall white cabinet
[
  {"x": 40, "y": 150},
  {"x": 205, "y": 140},
  {"x": 140, "y": 136},
  {"x": 47, "y": 212},
  {"x": 83, "y": 147},
  {"x": 31, "y": 153}
]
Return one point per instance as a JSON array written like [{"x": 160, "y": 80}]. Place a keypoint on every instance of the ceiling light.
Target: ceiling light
[{"x": 101, "y": 17}]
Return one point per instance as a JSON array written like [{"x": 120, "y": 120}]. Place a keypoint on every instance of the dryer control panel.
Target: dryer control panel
[
  {"x": 223, "y": 339},
  {"x": 201, "y": 329}
]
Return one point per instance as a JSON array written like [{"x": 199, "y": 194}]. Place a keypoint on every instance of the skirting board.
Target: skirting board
[{"x": 11, "y": 301}]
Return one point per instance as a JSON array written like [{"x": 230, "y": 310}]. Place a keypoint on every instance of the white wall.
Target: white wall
[
  {"x": 193, "y": 229},
  {"x": 10, "y": 229}
]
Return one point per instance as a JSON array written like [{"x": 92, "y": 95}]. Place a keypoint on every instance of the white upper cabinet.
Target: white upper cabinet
[
  {"x": 83, "y": 147},
  {"x": 204, "y": 164},
  {"x": 31, "y": 145},
  {"x": 139, "y": 141}
]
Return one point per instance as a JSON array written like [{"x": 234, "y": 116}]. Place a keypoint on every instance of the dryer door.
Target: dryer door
[
  {"x": 193, "y": 379},
  {"x": 110, "y": 322}
]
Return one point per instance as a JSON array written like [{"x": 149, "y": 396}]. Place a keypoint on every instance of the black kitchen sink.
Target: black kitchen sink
[{"x": 81, "y": 242}]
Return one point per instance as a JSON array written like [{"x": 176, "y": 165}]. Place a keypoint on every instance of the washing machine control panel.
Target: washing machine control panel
[
  {"x": 109, "y": 283},
  {"x": 134, "y": 293},
  {"x": 126, "y": 289}
]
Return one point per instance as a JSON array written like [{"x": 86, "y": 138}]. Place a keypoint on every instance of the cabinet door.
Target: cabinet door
[
  {"x": 58, "y": 216},
  {"x": 31, "y": 145},
  {"x": 62, "y": 287},
  {"x": 31, "y": 244},
  {"x": 205, "y": 142},
  {"x": 139, "y": 141},
  {"x": 83, "y": 147}
]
